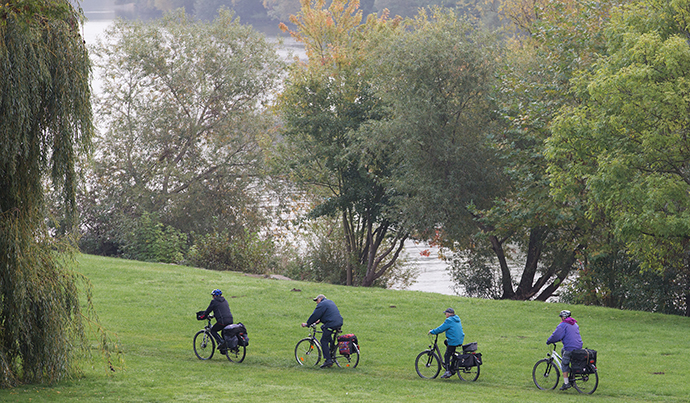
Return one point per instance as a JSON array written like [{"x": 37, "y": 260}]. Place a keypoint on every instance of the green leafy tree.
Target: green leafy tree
[
  {"x": 185, "y": 125},
  {"x": 626, "y": 147},
  {"x": 45, "y": 122},
  {"x": 325, "y": 105},
  {"x": 533, "y": 239}
]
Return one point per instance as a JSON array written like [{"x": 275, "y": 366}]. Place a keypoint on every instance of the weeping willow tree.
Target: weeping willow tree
[{"x": 45, "y": 124}]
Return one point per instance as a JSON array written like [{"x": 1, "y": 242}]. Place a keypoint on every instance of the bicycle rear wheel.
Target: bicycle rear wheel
[
  {"x": 347, "y": 361},
  {"x": 308, "y": 352},
  {"x": 586, "y": 383},
  {"x": 204, "y": 345},
  {"x": 237, "y": 354},
  {"x": 545, "y": 374},
  {"x": 468, "y": 373},
  {"x": 427, "y": 364}
]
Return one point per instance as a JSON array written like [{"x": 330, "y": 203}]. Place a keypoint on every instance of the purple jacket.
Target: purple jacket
[{"x": 567, "y": 332}]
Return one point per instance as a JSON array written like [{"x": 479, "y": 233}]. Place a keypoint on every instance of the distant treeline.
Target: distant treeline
[{"x": 268, "y": 12}]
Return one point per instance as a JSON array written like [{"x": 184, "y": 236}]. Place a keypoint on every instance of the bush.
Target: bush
[
  {"x": 151, "y": 241},
  {"x": 243, "y": 252}
]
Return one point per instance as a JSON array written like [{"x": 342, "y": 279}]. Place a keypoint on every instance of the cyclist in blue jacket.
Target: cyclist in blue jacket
[
  {"x": 567, "y": 332},
  {"x": 328, "y": 314},
  {"x": 454, "y": 337}
]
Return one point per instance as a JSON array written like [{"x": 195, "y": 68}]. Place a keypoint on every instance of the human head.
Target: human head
[
  {"x": 449, "y": 312},
  {"x": 216, "y": 293},
  {"x": 564, "y": 314},
  {"x": 319, "y": 298}
]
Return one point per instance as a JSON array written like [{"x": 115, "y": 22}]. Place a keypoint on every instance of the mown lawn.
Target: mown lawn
[{"x": 642, "y": 357}]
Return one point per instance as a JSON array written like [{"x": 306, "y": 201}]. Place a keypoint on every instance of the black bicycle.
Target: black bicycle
[
  {"x": 205, "y": 344},
  {"x": 308, "y": 351},
  {"x": 467, "y": 365},
  {"x": 546, "y": 373}
]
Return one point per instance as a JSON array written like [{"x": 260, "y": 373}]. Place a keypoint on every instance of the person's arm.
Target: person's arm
[
  {"x": 316, "y": 315},
  {"x": 556, "y": 336},
  {"x": 444, "y": 326},
  {"x": 210, "y": 308}
]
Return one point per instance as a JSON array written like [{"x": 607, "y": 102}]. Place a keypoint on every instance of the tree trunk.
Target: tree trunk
[{"x": 506, "y": 278}]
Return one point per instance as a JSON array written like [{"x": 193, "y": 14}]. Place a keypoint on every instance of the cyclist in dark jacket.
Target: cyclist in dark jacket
[
  {"x": 328, "y": 314},
  {"x": 221, "y": 311}
]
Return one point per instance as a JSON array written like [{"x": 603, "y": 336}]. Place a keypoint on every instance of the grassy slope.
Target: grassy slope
[{"x": 642, "y": 357}]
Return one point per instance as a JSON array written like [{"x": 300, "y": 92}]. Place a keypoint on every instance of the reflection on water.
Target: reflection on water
[{"x": 433, "y": 274}]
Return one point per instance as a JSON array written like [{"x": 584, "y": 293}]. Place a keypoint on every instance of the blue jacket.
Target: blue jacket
[
  {"x": 327, "y": 313},
  {"x": 567, "y": 332},
  {"x": 453, "y": 329}
]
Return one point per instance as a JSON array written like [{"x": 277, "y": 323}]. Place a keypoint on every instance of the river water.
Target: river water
[{"x": 433, "y": 275}]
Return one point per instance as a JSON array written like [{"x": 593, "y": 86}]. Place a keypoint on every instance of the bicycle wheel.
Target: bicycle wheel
[
  {"x": 237, "y": 354},
  {"x": 427, "y": 364},
  {"x": 586, "y": 383},
  {"x": 468, "y": 373},
  {"x": 545, "y": 374},
  {"x": 347, "y": 361},
  {"x": 204, "y": 345},
  {"x": 308, "y": 352}
]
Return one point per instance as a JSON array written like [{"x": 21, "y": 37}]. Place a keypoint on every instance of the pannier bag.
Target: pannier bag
[
  {"x": 469, "y": 347},
  {"x": 469, "y": 360},
  {"x": 346, "y": 344},
  {"x": 583, "y": 361},
  {"x": 231, "y": 333},
  {"x": 243, "y": 339}
]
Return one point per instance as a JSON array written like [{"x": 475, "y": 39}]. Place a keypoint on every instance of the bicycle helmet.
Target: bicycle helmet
[
  {"x": 216, "y": 292},
  {"x": 564, "y": 314}
]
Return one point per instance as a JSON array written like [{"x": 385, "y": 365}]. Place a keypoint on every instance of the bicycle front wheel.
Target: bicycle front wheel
[
  {"x": 586, "y": 383},
  {"x": 204, "y": 345},
  {"x": 468, "y": 373},
  {"x": 308, "y": 352},
  {"x": 427, "y": 364},
  {"x": 237, "y": 354},
  {"x": 545, "y": 374},
  {"x": 347, "y": 361}
]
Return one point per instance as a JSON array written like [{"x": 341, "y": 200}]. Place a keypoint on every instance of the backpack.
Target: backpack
[
  {"x": 583, "y": 361},
  {"x": 346, "y": 344}
]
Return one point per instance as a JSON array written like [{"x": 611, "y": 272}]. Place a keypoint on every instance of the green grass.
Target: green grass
[{"x": 642, "y": 357}]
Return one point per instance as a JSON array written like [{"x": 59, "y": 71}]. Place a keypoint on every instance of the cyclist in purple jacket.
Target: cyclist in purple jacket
[{"x": 567, "y": 332}]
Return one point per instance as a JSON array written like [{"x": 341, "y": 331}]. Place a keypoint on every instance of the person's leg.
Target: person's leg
[
  {"x": 214, "y": 331},
  {"x": 565, "y": 369},
  {"x": 448, "y": 360},
  {"x": 326, "y": 337}
]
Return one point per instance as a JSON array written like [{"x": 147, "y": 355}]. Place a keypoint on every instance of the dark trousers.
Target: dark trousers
[
  {"x": 215, "y": 329},
  {"x": 326, "y": 342},
  {"x": 450, "y": 351}
]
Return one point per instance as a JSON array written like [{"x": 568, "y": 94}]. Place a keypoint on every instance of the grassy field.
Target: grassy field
[{"x": 642, "y": 357}]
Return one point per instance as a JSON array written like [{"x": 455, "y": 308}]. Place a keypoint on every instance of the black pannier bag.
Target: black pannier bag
[
  {"x": 469, "y": 360},
  {"x": 583, "y": 361},
  {"x": 346, "y": 344},
  {"x": 231, "y": 333},
  {"x": 469, "y": 347},
  {"x": 243, "y": 339}
]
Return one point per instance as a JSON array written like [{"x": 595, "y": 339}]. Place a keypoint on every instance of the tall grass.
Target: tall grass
[{"x": 643, "y": 357}]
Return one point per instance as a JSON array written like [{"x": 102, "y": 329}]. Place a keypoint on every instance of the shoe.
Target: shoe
[
  {"x": 566, "y": 386},
  {"x": 327, "y": 364},
  {"x": 446, "y": 375}
]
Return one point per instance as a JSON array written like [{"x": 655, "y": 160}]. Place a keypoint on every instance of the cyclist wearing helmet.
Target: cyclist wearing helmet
[
  {"x": 221, "y": 311},
  {"x": 567, "y": 332}
]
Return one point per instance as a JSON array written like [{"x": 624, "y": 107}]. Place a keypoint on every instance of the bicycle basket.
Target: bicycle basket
[{"x": 469, "y": 347}]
